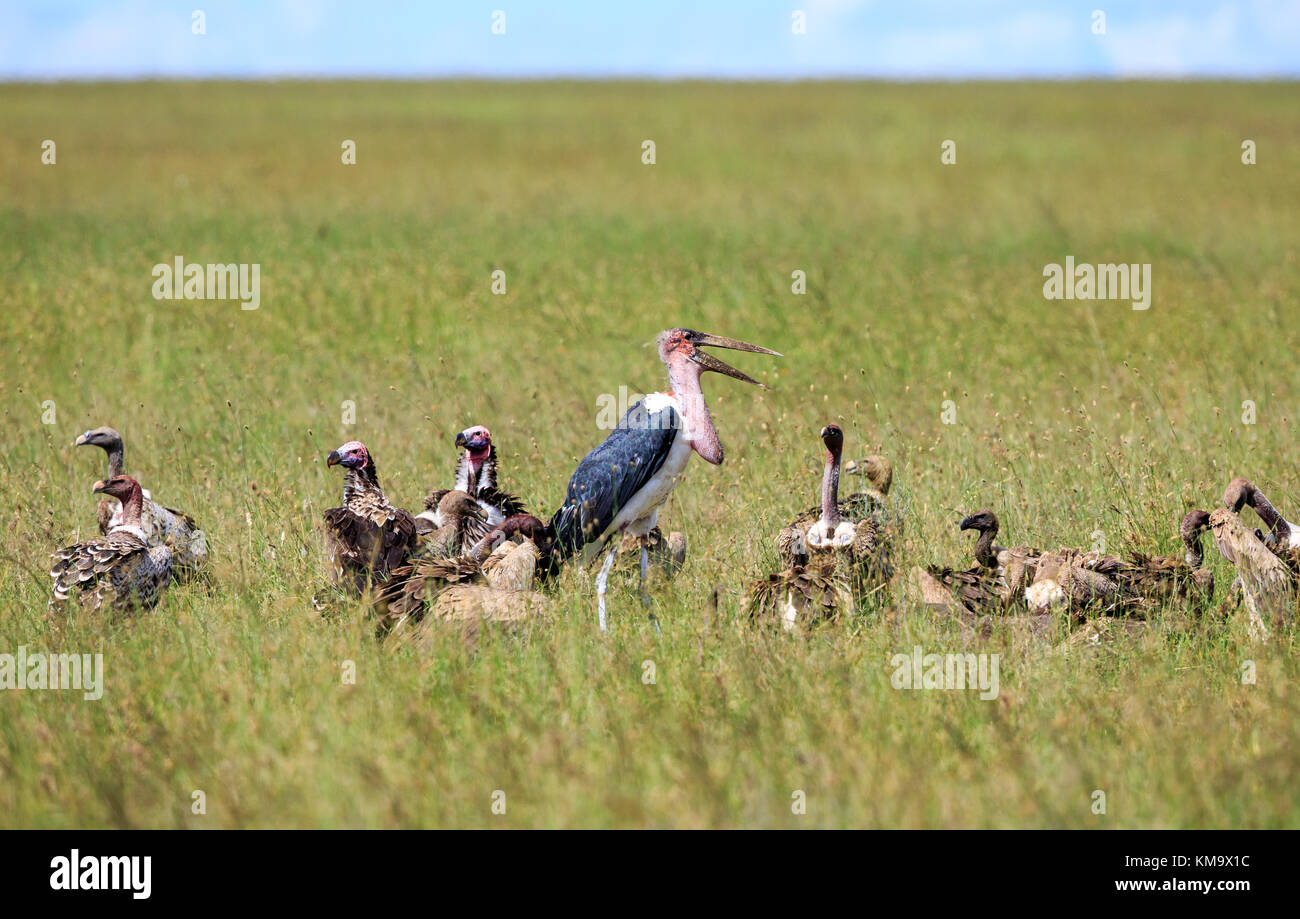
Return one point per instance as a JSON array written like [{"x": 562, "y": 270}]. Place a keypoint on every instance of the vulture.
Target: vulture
[
  {"x": 1163, "y": 578},
  {"x": 476, "y": 475},
  {"x": 368, "y": 537},
  {"x": 516, "y": 552},
  {"x": 666, "y": 555},
  {"x": 800, "y": 596},
  {"x": 958, "y": 591},
  {"x": 160, "y": 525},
  {"x": 464, "y": 608},
  {"x": 463, "y": 523},
  {"x": 119, "y": 569},
  {"x": 879, "y": 473},
  {"x": 1268, "y": 581},
  {"x": 859, "y": 529},
  {"x": 1014, "y": 567},
  {"x": 995, "y": 584},
  {"x": 1281, "y": 532},
  {"x": 504, "y": 562},
  {"x": 1075, "y": 580}
]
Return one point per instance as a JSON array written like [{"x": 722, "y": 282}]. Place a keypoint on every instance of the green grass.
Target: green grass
[{"x": 924, "y": 285}]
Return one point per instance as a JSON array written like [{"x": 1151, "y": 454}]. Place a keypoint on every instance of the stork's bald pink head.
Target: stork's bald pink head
[
  {"x": 677, "y": 346},
  {"x": 352, "y": 455}
]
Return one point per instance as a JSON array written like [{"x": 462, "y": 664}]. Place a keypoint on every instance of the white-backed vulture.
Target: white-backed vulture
[
  {"x": 463, "y": 523},
  {"x": 506, "y": 559},
  {"x": 665, "y": 555},
  {"x": 1281, "y": 532},
  {"x": 957, "y": 591},
  {"x": 859, "y": 531},
  {"x": 120, "y": 569},
  {"x": 160, "y": 525},
  {"x": 800, "y": 597},
  {"x": 1159, "y": 578},
  {"x": 1268, "y": 583},
  {"x": 1015, "y": 566},
  {"x": 1076, "y": 580}
]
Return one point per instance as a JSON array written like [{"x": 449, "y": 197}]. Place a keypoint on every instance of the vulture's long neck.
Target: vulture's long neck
[
  {"x": 362, "y": 485},
  {"x": 831, "y": 491},
  {"x": 1195, "y": 558},
  {"x": 132, "y": 506},
  {"x": 684, "y": 377},
  {"x": 984, "y": 551},
  {"x": 116, "y": 460},
  {"x": 1280, "y": 529}
]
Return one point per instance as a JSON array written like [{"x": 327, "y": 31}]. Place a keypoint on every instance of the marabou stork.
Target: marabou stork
[{"x": 619, "y": 487}]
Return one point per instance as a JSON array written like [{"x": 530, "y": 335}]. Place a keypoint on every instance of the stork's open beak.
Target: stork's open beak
[
  {"x": 333, "y": 459},
  {"x": 709, "y": 362}
]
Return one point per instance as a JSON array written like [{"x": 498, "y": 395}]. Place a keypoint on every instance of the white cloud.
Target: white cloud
[{"x": 1173, "y": 46}]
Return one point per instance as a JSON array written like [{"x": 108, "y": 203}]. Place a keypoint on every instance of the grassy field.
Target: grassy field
[{"x": 924, "y": 284}]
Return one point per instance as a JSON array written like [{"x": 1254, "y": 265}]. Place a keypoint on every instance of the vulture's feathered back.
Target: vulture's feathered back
[{"x": 120, "y": 569}]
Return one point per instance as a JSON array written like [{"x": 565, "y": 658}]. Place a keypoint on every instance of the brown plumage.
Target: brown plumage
[
  {"x": 1281, "y": 533},
  {"x": 463, "y": 524},
  {"x": 160, "y": 525},
  {"x": 1076, "y": 580},
  {"x": 412, "y": 587},
  {"x": 956, "y": 591},
  {"x": 368, "y": 537},
  {"x": 485, "y": 603},
  {"x": 475, "y": 475},
  {"x": 1013, "y": 566},
  {"x": 1268, "y": 584},
  {"x": 1159, "y": 579},
  {"x": 858, "y": 533},
  {"x": 120, "y": 570},
  {"x": 800, "y": 597},
  {"x": 665, "y": 555},
  {"x": 463, "y": 610},
  {"x": 871, "y": 504},
  {"x": 505, "y": 559},
  {"x": 518, "y": 549}
]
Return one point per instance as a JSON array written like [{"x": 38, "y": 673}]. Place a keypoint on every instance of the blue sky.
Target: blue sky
[{"x": 895, "y": 39}]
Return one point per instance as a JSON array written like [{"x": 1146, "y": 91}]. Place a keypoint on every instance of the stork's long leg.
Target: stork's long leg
[
  {"x": 601, "y": 580},
  {"x": 645, "y": 572},
  {"x": 645, "y": 594}
]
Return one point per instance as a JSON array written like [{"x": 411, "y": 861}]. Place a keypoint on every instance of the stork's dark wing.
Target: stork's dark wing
[{"x": 611, "y": 474}]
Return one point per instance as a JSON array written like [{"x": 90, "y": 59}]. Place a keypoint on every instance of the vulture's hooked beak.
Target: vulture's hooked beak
[
  {"x": 333, "y": 459},
  {"x": 82, "y": 439},
  {"x": 709, "y": 362},
  {"x": 971, "y": 522},
  {"x": 461, "y": 439},
  {"x": 99, "y": 487}
]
